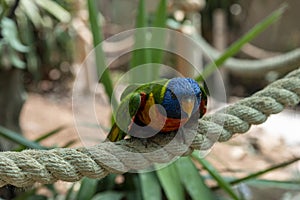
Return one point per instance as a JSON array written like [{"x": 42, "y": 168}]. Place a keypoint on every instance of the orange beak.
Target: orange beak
[{"x": 188, "y": 106}]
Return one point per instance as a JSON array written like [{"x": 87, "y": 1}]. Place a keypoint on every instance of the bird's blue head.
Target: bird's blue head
[{"x": 182, "y": 97}]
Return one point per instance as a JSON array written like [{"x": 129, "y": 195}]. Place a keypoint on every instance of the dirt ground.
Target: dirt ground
[
  {"x": 44, "y": 113},
  {"x": 274, "y": 142},
  {"x": 41, "y": 115}
]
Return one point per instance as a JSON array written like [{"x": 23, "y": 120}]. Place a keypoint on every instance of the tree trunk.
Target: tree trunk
[{"x": 12, "y": 98}]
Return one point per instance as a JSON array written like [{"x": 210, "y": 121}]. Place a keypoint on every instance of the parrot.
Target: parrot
[{"x": 161, "y": 106}]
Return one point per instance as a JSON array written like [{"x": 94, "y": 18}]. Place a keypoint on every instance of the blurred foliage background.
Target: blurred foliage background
[{"x": 43, "y": 44}]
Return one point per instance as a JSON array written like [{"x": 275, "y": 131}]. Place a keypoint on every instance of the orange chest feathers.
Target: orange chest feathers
[{"x": 150, "y": 115}]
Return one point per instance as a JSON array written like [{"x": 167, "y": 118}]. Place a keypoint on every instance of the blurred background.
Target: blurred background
[{"x": 43, "y": 45}]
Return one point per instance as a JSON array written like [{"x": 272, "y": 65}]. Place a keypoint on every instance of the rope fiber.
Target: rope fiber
[{"x": 24, "y": 168}]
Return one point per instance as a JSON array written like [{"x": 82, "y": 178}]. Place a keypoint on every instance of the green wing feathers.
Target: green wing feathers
[
  {"x": 132, "y": 99},
  {"x": 129, "y": 90},
  {"x": 125, "y": 113}
]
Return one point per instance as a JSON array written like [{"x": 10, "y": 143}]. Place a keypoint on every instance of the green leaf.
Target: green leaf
[
  {"x": 14, "y": 59},
  {"x": 161, "y": 15},
  {"x": 44, "y": 136},
  {"x": 168, "y": 177},
  {"x": 286, "y": 185},
  {"x": 261, "y": 172},
  {"x": 236, "y": 46},
  {"x": 109, "y": 195},
  {"x": 160, "y": 22},
  {"x": 70, "y": 193},
  {"x": 191, "y": 179},
  {"x": 10, "y": 34},
  {"x": 150, "y": 186},
  {"x": 52, "y": 189},
  {"x": 132, "y": 186},
  {"x": 100, "y": 58},
  {"x": 19, "y": 139},
  {"x": 141, "y": 18},
  {"x": 32, "y": 11},
  {"x": 26, "y": 194},
  {"x": 143, "y": 55},
  {"x": 37, "y": 197},
  {"x": 4, "y": 9},
  {"x": 108, "y": 182},
  {"x": 70, "y": 143},
  {"x": 49, "y": 134},
  {"x": 29, "y": 39},
  {"x": 215, "y": 174},
  {"x": 55, "y": 9},
  {"x": 87, "y": 189}
]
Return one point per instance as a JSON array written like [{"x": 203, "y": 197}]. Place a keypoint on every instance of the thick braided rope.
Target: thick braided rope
[{"x": 47, "y": 166}]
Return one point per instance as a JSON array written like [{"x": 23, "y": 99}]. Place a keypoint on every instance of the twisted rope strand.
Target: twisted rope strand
[{"x": 47, "y": 166}]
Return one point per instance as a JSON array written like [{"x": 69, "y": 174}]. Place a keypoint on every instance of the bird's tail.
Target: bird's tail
[{"x": 115, "y": 134}]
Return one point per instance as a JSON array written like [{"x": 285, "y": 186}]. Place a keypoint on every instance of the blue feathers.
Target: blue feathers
[{"x": 177, "y": 90}]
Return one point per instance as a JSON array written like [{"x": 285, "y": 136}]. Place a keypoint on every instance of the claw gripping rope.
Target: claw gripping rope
[{"x": 24, "y": 168}]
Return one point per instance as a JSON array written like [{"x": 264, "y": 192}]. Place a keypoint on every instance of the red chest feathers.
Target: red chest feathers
[{"x": 153, "y": 118}]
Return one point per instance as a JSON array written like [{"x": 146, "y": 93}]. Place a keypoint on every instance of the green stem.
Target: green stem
[
  {"x": 259, "y": 173},
  {"x": 100, "y": 58},
  {"x": 236, "y": 46},
  {"x": 212, "y": 171}
]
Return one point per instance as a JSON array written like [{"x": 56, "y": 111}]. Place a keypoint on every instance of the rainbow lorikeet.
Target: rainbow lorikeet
[{"x": 161, "y": 106}]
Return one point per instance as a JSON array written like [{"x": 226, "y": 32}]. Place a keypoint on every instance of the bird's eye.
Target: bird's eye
[
  {"x": 198, "y": 94},
  {"x": 173, "y": 96}
]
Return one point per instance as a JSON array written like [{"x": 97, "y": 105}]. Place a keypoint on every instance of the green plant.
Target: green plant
[
  {"x": 236, "y": 46},
  {"x": 10, "y": 45},
  {"x": 19, "y": 52},
  {"x": 37, "y": 19}
]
